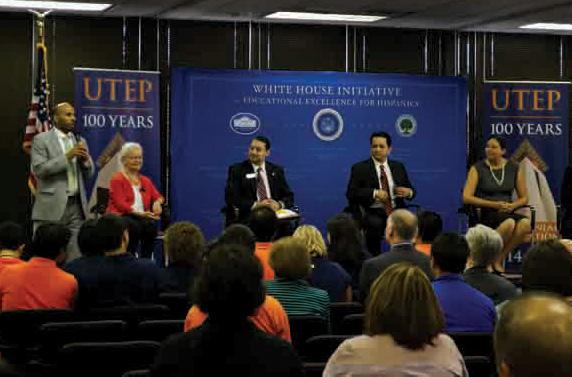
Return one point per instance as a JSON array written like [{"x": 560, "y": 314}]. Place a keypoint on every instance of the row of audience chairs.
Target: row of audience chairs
[{"x": 47, "y": 336}]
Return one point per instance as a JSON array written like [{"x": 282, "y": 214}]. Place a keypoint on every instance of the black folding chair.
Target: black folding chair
[
  {"x": 159, "y": 330},
  {"x": 319, "y": 348},
  {"x": 109, "y": 359},
  {"x": 339, "y": 310},
  {"x": 20, "y": 331},
  {"x": 474, "y": 344},
  {"x": 54, "y": 335},
  {"x": 137, "y": 373},
  {"x": 179, "y": 303},
  {"x": 479, "y": 366},
  {"x": 314, "y": 369},
  {"x": 304, "y": 327},
  {"x": 131, "y": 314},
  {"x": 352, "y": 324}
]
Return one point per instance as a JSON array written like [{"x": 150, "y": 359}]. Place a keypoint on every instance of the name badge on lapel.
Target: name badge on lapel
[{"x": 251, "y": 175}]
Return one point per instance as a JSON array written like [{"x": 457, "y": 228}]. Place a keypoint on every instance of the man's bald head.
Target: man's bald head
[
  {"x": 534, "y": 337},
  {"x": 64, "y": 116},
  {"x": 401, "y": 226}
]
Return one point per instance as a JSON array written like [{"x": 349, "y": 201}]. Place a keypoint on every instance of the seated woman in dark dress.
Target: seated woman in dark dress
[{"x": 490, "y": 185}]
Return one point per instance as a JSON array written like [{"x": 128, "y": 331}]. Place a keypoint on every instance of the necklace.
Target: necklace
[
  {"x": 498, "y": 181},
  {"x": 133, "y": 178}
]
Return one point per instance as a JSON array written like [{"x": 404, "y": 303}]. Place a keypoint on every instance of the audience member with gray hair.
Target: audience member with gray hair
[
  {"x": 400, "y": 233},
  {"x": 485, "y": 245}
]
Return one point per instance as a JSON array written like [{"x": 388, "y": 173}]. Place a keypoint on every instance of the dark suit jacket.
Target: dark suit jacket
[
  {"x": 240, "y": 191},
  {"x": 373, "y": 267},
  {"x": 363, "y": 180}
]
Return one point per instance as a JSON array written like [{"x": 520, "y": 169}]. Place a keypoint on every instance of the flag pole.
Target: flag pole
[
  {"x": 39, "y": 23},
  {"x": 39, "y": 114}
]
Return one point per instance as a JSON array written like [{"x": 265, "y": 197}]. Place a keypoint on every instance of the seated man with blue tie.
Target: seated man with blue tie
[
  {"x": 256, "y": 182},
  {"x": 376, "y": 187}
]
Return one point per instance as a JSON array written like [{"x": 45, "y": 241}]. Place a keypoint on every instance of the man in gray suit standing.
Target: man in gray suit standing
[{"x": 61, "y": 163}]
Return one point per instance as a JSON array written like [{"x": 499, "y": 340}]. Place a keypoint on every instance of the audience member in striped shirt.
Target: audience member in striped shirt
[{"x": 291, "y": 263}]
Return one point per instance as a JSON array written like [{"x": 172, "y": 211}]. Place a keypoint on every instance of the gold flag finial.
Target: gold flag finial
[{"x": 40, "y": 23}]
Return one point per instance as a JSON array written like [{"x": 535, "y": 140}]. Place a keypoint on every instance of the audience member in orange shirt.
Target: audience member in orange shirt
[
  {"x": 430, "y": 225},
  {"x": 12, "y": 242},
  {"x": 40, "y": 283},
  {"x": 270, "y": 317},
  {"x": 263, "y": 222}
]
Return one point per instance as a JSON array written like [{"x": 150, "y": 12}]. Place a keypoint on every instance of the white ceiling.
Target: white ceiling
[{"x": 461, "y": 15}]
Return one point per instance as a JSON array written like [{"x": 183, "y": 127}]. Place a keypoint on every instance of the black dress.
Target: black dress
[{"x": 496, "y": 185}]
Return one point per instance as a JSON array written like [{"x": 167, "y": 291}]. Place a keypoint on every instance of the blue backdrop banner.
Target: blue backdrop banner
[
  {"x": 319, "y": 124},
  {"x": 113, "y": 107},
  {"x": 533, "y": 119}
]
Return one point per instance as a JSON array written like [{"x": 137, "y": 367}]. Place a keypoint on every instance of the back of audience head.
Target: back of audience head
[
  {"x": 263, "y": 222},
  {"x": 88, "y": 240},
  {"x": 238, "y": 234},
  {"x": 547, "y": 267},
  {"x": 402, "y": 304},
  {"x": 344, "y": 239},
  {"x": 449, "y": 253},
  {"x": 430, "y": 226},
  {"x": 112, "y": 233},
  {"x": 12, "y": 236},
  {"x": 290, "y": 259},
  {"x": 534, "y": 337},
  {"x": 184, "y": 244},
  {"x": 485, "y": 244},
  {"x": 401, "y": 226},
  {"x": 50, "y": 241},
  {"x": 313, "y": 240},
  {"x": 229, "y": 287}
]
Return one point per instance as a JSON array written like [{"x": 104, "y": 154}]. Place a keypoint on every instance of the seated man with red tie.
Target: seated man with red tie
[
  {"x": 377, "y": 186},
  {"x": 256, "y": 182}
]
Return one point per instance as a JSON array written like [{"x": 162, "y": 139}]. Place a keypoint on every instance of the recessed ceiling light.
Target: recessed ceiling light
[
  {"x": 547, "y": 26},
  {"x": 55, "y": 5},
  {"x": 323, "y": 17}
]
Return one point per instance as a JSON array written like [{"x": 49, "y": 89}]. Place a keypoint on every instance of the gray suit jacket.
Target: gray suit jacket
[
  {"x": 373, "y": 267},
  {"x": 49, "y": 164}
]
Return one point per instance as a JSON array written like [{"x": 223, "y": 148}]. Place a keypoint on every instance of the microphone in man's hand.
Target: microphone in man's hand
[{"x": 76, "y": 135}]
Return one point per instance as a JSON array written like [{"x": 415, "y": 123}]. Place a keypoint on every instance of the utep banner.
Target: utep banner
[
  {"x": 533, "y": 118},
  {"x": 319, "y": 124},
  {"x": 114, "y": 107}
]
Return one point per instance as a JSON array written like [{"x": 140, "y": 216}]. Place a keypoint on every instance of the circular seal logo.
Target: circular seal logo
[
  {"x": 328, "y": 124},
  {"x": 406, "y": 125},
  {"x": 244, "y": 123}
]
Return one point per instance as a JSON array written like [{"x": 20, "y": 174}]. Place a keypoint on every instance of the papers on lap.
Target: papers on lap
[{"x": 286, "y": 214}]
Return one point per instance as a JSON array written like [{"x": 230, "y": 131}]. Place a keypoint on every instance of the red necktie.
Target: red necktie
[
  {"x": 384, "y": 183},
  {"x": 260, "y": 186}
]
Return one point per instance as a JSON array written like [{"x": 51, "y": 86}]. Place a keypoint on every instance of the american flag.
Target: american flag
[{"x": 39, "y": 115}]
